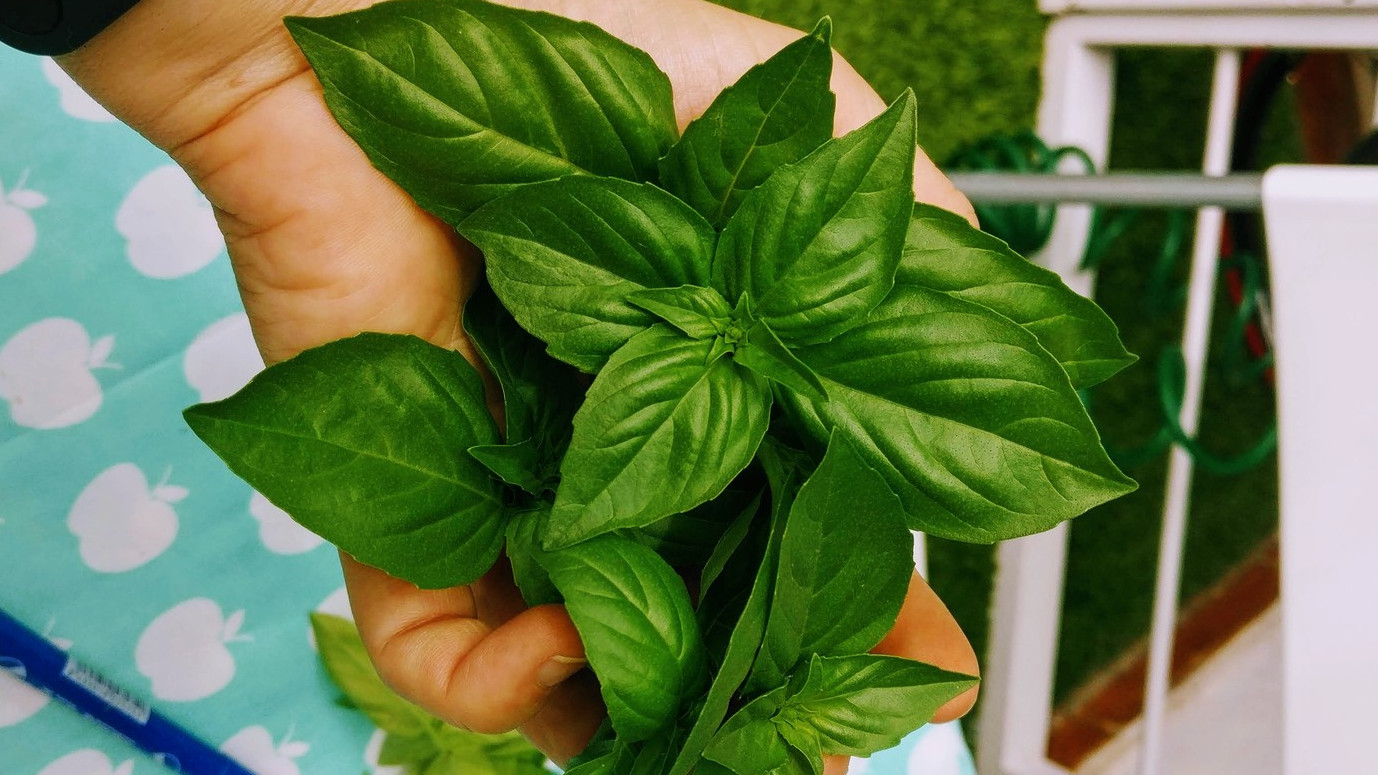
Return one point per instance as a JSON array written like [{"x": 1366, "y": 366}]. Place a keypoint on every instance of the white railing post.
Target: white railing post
[
  {"x": 1076, "y": 110},
  {"x": 1078, "y": 90},
  {"x": 1205, "y": 265}
]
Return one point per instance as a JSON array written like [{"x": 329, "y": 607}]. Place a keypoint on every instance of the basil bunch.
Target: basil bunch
[{"x": 793, "y": 365}]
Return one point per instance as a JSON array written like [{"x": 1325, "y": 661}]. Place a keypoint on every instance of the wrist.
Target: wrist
[{"x": 173, "y": 69}]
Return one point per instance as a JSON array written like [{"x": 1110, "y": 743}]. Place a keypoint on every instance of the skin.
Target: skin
[{"x": 323, "y": 247}]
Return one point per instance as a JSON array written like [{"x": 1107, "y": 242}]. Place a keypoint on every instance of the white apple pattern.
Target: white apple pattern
[
  {"x": 18, "y": 701},
  {"x": 121, "y": 522},
  {"x": 254, "y": 748},
  {"x": 87, "y": 761},
  {"x": 168, "y": 226},
  {"x": 18, "y": 233},
  {"x": 278, "y": 532},
  {"x": 46, "y": 373},
  {"x": 75, "y": 102},
  {"x": 222, "y": 358},
  {"x": 184, "y": 650}
]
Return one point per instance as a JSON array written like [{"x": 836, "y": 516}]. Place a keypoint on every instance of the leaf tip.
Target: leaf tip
[{"x": 823, "y": 30}]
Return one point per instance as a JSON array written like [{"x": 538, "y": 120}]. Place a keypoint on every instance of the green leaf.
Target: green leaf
[
  {"x": 403, "y": 750},
  {"x": 663, "y": 429},
  {"x": 346, "y": 661},
  {"x": 765, "y": 354},
  {"x": 698, "y": 312},
  {"x": 727, "y": 544},
  {"x": 755, "y": 560},
  {"x": 845, "y": 540},
  {"x": 803, "y": 741},
  {"x": 539, "y": 394},
  {"x": 817, "y": 246},
  {"x": 972, "y": 424},
  {"x": 503, "y": 754},
  {"x": 750, "y": 744},
  {"x": 865, "y": 703},
  {"x": 945, "y": 253},
  {"x": 564, "y": 256},
  {"x": 461, "y": 101},
  {"x": 776, "y": 114},
  {"x": 364, "y": 442},
  {"x": 689, "y": 539},
  {"x": 514, "y": 464},
  {"x": 524, "y": 530},
  {"x": 638, "y": 628}
]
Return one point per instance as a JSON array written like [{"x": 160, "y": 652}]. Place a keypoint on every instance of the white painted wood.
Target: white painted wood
[
  {"x": 1020, "y": 663},
  {"x": 1076, "y": 109},
  {"x": 1225, "y": 719},
  {"x": 1353, "y": 30},
  {"x": 1178, "y": 6},
  {"x": 1205, "y": 265},
  {"x": 1027, "y": 606},
  {"x": 1322, "y": 228}
]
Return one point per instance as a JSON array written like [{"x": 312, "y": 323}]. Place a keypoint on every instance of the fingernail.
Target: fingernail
[{"x": 557, "y": 669}]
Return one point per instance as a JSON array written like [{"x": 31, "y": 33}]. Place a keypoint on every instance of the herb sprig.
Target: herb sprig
[{"x": 792, "y": 365}]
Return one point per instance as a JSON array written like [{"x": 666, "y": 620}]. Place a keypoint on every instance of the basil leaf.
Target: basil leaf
[
  {"x": 618, "y": 762},
  {"x": 400, "y": 750},
  {"x": 651, "y": 759},
  {"x": 539, "y": 394},
  {"x": 818, "y": 244},
  {"x": 474, "y": 754},
  {"x": 765, "y": 354},
  {"x": 727, "y": 545},
  {"x": 346, "y": 661},
  {"x": 755, "y": 560},
  {"x": 638, "y": 627},
  {"x": 945, "y": 253},
  {"x": 663, "y": 429},
  {"x": 971, "y": 423},
  {"x": 514, "y": 464},
  {"x": 699, "y": 312},
  {"x": 524, "y": 530},
  {"x": 749, "y": 743},
  {"x": 776, "y": 114},
  {"x": 690, "y": 538},
  {"x": 563, "y": 256},
  {"x": 845, "y": 540},
  {"x": 803, "y": 741},
  {"x": 865, "y": 703},
  {"x": 461, "y": 101},
  {"x": 363, "y": 441}
]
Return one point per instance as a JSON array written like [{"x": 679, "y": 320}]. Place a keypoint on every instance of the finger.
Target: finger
[
  {"x": 564, "y": 726},
  {"x": 927, "y": 632},
  {"x": 835, "y": 765},
  {"x": 431, "y": 647}
]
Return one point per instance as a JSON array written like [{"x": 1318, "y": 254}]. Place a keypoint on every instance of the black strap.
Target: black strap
[{"x": 55, "y": 27}]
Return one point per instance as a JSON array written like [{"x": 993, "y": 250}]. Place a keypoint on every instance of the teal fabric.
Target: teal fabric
[{"x": 121, "y": 537}]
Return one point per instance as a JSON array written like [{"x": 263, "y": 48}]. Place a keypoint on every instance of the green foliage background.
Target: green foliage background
[{"x": 974, "y": 65}]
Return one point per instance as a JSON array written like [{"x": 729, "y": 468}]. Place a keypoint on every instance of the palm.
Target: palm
[{"x": 324, "y": 246}]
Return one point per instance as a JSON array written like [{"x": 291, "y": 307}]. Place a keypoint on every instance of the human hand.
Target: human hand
[{"x": 324, "y": 246}]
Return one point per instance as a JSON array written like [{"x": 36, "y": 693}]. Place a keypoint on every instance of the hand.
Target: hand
[{"x": 323, "y": 246}]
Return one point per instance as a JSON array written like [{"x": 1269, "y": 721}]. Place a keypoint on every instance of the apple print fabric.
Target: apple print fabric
[{"x": 122, "y": 539}]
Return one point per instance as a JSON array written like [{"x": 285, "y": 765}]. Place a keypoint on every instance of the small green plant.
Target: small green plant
[
  {"x": 413, "y": 739},
  {"x": 793, "y": 365}
]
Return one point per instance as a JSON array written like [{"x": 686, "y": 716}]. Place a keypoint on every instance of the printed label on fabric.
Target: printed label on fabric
[{"x": 113, "y": 695}]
